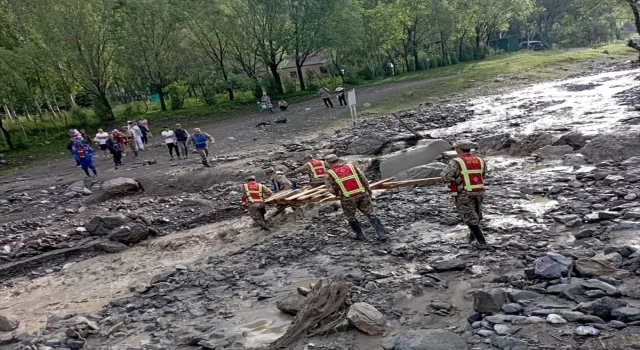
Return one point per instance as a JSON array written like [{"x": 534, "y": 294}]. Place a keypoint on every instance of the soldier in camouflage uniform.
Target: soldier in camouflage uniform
[
  {"x": 466, "y": 176},
  {"x": 307, "y": 168},
  {"x": 256, "y": 210},
  {"x": 279, "y": 182},
  {"x": 359, "y": 200}
]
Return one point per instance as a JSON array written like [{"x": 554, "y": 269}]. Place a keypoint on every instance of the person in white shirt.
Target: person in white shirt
[
  {"x": 170, "y": 140},
  {"x": 101, "y": 138}
]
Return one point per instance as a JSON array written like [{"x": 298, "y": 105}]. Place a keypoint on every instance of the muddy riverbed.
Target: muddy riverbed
[{"x": 207, "y": 279}]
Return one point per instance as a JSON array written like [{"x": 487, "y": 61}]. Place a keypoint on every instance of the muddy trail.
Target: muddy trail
[{"x": 191, "y": 272}]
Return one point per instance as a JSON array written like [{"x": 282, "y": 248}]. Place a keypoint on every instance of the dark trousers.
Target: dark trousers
[
  {"x": 171, "y": 147},
  {"x": 183, "y": 145},
  {"x": 327, "y": 102},
  {"x": 117, "y": 158},
  {"x": 342, "y": 100}
]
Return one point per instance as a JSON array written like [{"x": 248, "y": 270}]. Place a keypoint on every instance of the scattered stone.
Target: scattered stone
[
  {"x": 79, "y": 187},
  {"x": 130, "y": 234},
  {"x": 450, "y": 265},
  {"x": 626, "y": 314},
  {"x": 121, "y": 185},
  {"x": 502, "y": 329},
  {"x": 555, "y": 319},
  {"x": 574, "y": 139},
  {"x": 586, "y": 331},
  {"x": 489, "y": 301},
  {"x": 520, "y": 295},
  {"x": 597, "y": 284},
  {"x": 8, "y": 323},
  {"x": 366, "y": 318},
  {"x": 429, "y": 339},
  {"x": 103, "y": 225},
  {"x": 602, "y": 307},
  {"x": 595, "y": 268},
  {"x": 292, "y": 304},
  {"x": 512, "y": 308},
  {"x": 554, "y": 152},
  {"x": 112, "y": 247},
  {"x": 552, "y": 266}
]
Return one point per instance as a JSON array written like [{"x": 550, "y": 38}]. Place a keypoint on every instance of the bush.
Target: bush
[
  {"x": 177, "y": 90},
  {"x": 79, "y": 118},
  {"x": 365, "y": 73},
  {"x": 270, "y": 86},
  {"x": 453, "y": 59},
  {"x": 257, "y": 91},
  {"x": 290, "y": 86},
  {"x": 209, "y": 94}
]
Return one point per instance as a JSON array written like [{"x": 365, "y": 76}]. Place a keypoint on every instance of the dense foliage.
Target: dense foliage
[{"x": 56, "y": 55}]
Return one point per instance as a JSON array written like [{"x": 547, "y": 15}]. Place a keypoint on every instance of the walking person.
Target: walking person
[
  {"x": 315, "y": 169},
  {"x": 348, "y": 183},
  {"x": 116, "y": 150},
  {"x": 170, "y": 140},
  {"x": 144, "y": 128},
  {"x": 102, "y": 138},
  {"x": 131, "y": 139},
  {"x": 181, "y": 140},
  {"x": 253, "y": 197},
  {"x": 465, "y": 175},
  {"x": 201, "y": 142},
  {"x": 341, "y": 97},
  {"x": 72, "y": 138},
  {"x": 283, "y": 105},
  {"x": 84, "y": 154},
  {"x": 326, "y": 96}
]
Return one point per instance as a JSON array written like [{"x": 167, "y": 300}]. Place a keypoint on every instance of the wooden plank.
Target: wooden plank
[
  {"x": 280, "y": 195},
  {"x": 429, "y": 181},
  {"x": 378, "y": 183},
  {"x": 314, "y": 194},
  {"x": 304, "y": 193}
]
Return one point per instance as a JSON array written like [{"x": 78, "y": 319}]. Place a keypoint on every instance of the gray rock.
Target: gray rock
[
  {"x": 429, "y": 339},
  {"x": 602, "y": 307},
  {"x": 555, "y": 319},
  {"x": 584, "y": 234},
  {"x": 626, "y": 314},
  {"x": 608, "y": 215},
  {"x": 292, "y": 304},
  {"x": 631, "y": 197},
  {"x": 8, "y": 323},
  {"x": 551, "y": 266},
  {"x": 574, "y": 139},
  {"x": 489, "y": 301},
  {"x": 554, "y": 152},
  {"x": 449, "y": 265},
  {"x": 614, "y": 258},
  {"x": 520, "y": 295},
  {"x": 530, "y": 143},
  {"x": 366, "y": 318},
  {"x": 586, "y": 331},
  {"x": 495, "y": 143},
  {"x": 121, "y": 185},
  {"x": 616, "y": 324},
  {"x": 498, "y": 319},
  {"x": 369, "y": 144},
  {"x": 103, "y": 225},
  {"x": 421, "y": 172},
  {"x": 615, "y": 146},
  {"x": 572, "y": 288},
  {"x": 633, "y": 161},
  {"x": 624, "y": 251},
  {"x": 594, "y": 268},
  {"x": 509, "y": 343},
  {"x": 79, "y": 187},
  {"x": 573, "y": 159},
  {"x": 512, "y": 308},
  {"x": 572, "y": 316},
  {"x": 502, "y": 329},
  {"x": 597, "y": 284},
  {"x": 130, "y": 234},
  {"x": 485, "y": 333},
  {"x": 632, "y": 214},
  {"x": 112, "y": 246}
]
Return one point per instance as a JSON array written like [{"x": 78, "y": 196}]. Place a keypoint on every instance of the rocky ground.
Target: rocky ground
[{"x": 103, "y": 265}]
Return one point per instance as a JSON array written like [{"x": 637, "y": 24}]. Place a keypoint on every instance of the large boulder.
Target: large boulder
[
  {"x": 366, "y": 318},
  {"x": 103, "y": 225},
  {"x": 429, "y": 339},
  {"x": 421, "y": 172},
  {"x": 595, "y": 268},
  {"x": 552, "y": 266},
  {"x": 530, "y": 143},
  {"x": 617, "y": 147},
  {"x": 131, "y": 233},
  {"x": 424, "y": 153},
  {"x": 553, "y": 152},
  {"x": 575, "y": 140},
  {"x": 292, "y": 304},
  {"x": 368, "y": 144},
  {"x": 8, "y": 323},
  {"x": 121, "y": 185},
  {"x": 489, "y": 301},
  {"x": 495, "y": 144}
]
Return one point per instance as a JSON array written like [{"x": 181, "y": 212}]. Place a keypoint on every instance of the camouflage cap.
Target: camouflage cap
[
  {"x": 332, "y": 158},
  {"x": 466, "y": 144},
  {"x": 270, "y": 170},
  {"x": 308, "y": 156},
  {"x": 251, "y": 178}
]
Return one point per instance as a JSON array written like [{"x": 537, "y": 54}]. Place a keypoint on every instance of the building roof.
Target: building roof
[{"x": 312, "y": 60}]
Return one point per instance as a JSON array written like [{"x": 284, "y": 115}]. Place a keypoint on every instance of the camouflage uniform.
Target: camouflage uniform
[
  {"x": 131, "y": 141},
  {"x": 307, "y": 169},
  {"x": 468, "y": 204},
  {"x": 280, "y": 183},
  {"x": 257, "y": 211}
]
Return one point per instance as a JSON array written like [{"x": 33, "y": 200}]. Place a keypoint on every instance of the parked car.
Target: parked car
[{"x": 533, "y": 45}]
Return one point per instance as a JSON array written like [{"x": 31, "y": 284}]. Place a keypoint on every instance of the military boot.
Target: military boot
[
  {"x": 472, "y": 236},
  {"x": 264, "y": 225},
  {"x": 380, "y": 231},
  {"x": 355, "y": 226},
  {"x": 479, "y": 236}
]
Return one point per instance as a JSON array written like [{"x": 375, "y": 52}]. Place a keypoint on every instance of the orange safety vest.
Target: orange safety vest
[
  {"x": 317, "y": 166},
  {"x": 253, "y": 192},
  {"x": 472, "y": 170},
  {"x": 347, "y": 179}
]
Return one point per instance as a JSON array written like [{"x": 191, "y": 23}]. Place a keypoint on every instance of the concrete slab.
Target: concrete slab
[{"x": 424, "y": 153}]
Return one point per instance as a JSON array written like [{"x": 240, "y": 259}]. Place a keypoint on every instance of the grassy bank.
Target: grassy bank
[{"x": 493, "y": 74}]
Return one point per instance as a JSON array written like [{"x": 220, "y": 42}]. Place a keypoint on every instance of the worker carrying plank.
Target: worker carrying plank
[
  {"x": 314, "y": 168},
  {"x": 279, "y": 182},
  {"x": 253, "y": 198},
  {"x": 347, "y": 182},
  {"x": 465, "y": 175}
]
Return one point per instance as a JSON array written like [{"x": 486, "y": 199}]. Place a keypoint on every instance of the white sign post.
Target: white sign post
[{"x": 351, "y": 98}]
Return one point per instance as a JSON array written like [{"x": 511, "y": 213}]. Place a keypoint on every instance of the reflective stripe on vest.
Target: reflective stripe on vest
[
  {"x": 347, "y": 179},
  {"x": 471, "y": 169},
  {"x": 200, "y": 141},
  {"x": 317, "y": 168},
  {"x": 253, "y": 192}
]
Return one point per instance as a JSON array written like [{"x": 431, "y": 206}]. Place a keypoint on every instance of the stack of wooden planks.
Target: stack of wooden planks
[{"x": 320, "y": 194}]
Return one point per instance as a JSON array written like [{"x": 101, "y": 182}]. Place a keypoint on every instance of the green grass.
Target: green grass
[{"x": 432, "y": 85}]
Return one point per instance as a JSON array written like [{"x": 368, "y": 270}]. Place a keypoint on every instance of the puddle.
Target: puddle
[
  {"x": 261, "y": 326},
  {"x": 550, "y": 106}
]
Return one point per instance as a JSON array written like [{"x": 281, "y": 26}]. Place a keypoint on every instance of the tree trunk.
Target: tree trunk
[
  {"x": 443, "y": 47},
  {"x": 478, "y": 38},
  {"x": 273, "y": 66},
  {"x": 230, "y": 92},
  {"x": 299, "y": 63},
  {"x": 160, "y": 92},
  {"x": 102, "y": 107},
  {"x": 636, "y": 14},
  {"x": 460, "y": 45},
  {"x": 7, "y": 136}
]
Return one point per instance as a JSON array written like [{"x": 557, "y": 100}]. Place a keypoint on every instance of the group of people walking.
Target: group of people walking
[{"x": 464, "y": 174}]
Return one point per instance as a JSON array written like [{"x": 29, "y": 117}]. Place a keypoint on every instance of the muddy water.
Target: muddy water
[
  {"x": 86, "y": 286},
  {"x": 552, "y": 106}
]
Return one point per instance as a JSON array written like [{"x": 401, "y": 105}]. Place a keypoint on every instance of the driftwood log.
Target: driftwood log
[{"x": 325, "y": 308}]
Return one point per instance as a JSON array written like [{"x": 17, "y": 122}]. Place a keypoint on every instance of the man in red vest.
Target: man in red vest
[
  {"x": 315, "y": 169},
  {"x": 253, "y": 197},
  {"x": 465, "y": 174},
  {"x": 348, "y": 183}
]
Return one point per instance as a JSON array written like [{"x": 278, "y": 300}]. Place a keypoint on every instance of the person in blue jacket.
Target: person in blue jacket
[{"x": 84, "y": 155}]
